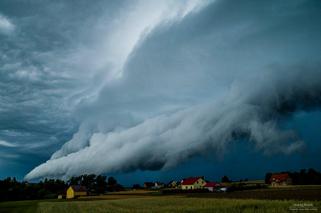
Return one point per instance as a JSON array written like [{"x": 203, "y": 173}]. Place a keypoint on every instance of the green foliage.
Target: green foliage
[
  {"x": 101, "y": 184},
  {"x": 225, "y": 179},
  {"x": 11, "y": 189},
  {"x": 96, "y": 184},
  {"x": 113, "y": 186},
  {"x": 112, "y": 181},
  {"x": 268, "y": 177}
]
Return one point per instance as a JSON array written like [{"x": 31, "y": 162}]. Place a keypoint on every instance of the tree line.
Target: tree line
[{"x": 12, "y": 189}]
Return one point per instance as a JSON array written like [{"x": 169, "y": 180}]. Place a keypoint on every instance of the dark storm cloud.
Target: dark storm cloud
[
  {"x": 56, "y": 56},
  {"x": 234, "y": 70},
  {"x": 151, "y": 84},
  {"x": 165, "y": 141},
  {"x": 39, "y": 46}
]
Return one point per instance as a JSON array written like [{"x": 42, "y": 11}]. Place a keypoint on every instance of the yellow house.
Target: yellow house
[
  {"x": 76, "y": 191},
  {"x": 193, "y": 183}
]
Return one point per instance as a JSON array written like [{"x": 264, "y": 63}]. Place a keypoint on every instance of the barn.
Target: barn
[{"x": 75, "y": 191}]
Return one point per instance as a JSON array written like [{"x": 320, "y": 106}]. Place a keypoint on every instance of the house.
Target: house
[
  {"x": 149, "y": 185},
  {"x": 76, "y": 191},
  {"x": 193, "y": 183},
  {"x": 153, "y": 185},
  {"x": 158, "y": 185},
  {"x": 173, "y": 184},
  {"x": 210, "y": 186},
  {"x": 280, "y": 179}
]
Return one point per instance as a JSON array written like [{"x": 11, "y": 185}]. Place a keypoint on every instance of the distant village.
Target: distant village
[
  {"x": 93, "y": 185},
  {"x": 200, "y": 184}
]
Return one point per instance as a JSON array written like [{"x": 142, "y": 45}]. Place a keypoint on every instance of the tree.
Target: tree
[
  {"x": 101, "y": 184},
  {"x": 225, "y": 179},
  {"x": 88, "y": 181},
  {"x": 111, "y": 181},
  {"x": 74, "y": 181},
  {"x": 113, "y": 186},
  {"x": 136, "y": 186},
  {"x": 11, "y": 189},
  {"x": 268, "y": 177}
]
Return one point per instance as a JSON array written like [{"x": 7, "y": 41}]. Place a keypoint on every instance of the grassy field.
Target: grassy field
[
  {"x": 157, "y": 204},
  {"x": 281, "y": 193},
  {"x": 19, "y": 206},
  {"x": 169, "y": 204},
  {"x": 144, "y": 201}
]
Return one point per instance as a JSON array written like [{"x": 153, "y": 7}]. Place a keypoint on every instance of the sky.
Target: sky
[{"x": 159, "y": 90}]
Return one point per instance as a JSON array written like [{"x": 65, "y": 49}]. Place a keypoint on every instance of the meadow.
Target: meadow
[
  {"x": 157, "y": 204},
  {"x": 141, "y": 201},
  {"x": 169, "y": 204}
]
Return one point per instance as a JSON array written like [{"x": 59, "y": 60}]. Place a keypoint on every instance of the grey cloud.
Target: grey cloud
[
  {"x": 137, "y": 22},
  {"x": 6, "y": 26},
  {"x": 230, "y": 72},
  {"x": 7, "y": 144},
  {"x": 167, "y": 140},
  {"x": 150, "y": 84}
]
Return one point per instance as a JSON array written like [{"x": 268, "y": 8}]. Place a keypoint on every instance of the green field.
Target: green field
[
  {"x": 156, "y": 204},
  {"x": 275, "y": 200},
  {"x": 19, "y": 206}
]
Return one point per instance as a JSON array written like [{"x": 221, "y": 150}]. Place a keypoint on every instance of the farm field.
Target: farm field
[
  {"x": 169, "y": 204},
  {"x": 155, "y": 204},
  {"x": 147, "y": 201},
  {"x": 28, "y": 206},
  {"x": 282, "y": 193}
]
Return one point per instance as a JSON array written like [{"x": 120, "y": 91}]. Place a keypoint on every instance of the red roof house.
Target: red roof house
[
  {"x": 280, "y": 179},
  {"x": 210, "y": 186},
  {"x": 193, "y": 183},
  {"x": 190, "y": 180}
]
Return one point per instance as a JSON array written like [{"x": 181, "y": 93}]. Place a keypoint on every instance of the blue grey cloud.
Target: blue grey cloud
[
  {"x": 6, "y": 26},
  {"x": 97, "y": 86}
]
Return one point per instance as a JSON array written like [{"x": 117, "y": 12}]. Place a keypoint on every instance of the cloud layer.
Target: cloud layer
[
  {"x": 167, "y": 140},
  {"x": 6, "y": 26},
  {"x": 146, "y": 85},
  {"x": 215, "y": 86}
]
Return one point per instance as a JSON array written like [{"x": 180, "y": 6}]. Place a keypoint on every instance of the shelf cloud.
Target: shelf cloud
[
  {"x": 120, "y": 86},
  {"x": 250, "y": 112},
  {"x": 195, "y": 86}
]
